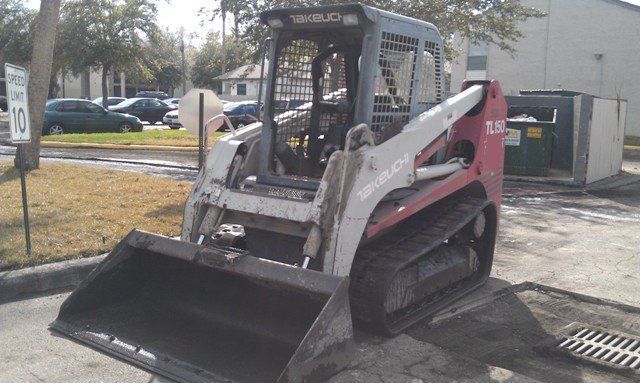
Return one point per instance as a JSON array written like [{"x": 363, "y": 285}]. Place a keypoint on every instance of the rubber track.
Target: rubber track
[{"x": 377, "y": 263}]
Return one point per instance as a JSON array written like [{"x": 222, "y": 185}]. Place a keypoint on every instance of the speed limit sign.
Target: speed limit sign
[{"x": 18, "y": 103}]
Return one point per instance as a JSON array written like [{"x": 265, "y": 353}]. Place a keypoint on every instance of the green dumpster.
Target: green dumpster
[{"x": 529, "y": 141}]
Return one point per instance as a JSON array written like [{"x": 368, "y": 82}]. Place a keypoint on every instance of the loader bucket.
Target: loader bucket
[{"x": 202, "y": 314}]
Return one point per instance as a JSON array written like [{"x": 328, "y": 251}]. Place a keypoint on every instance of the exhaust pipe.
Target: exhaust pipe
[{"x": 202, "y": 314}]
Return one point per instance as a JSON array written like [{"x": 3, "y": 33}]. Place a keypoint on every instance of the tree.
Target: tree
[
  {"x": 40, "y": 75},
  {"x": 222, "y": 10},
  {"x": 105, "y": 35},
  {"x": 208, "y": 61},
  {"x": 495, "y": 21},
  {"x": 16, "y": 32},
  {"x": 163, "y": 59}
]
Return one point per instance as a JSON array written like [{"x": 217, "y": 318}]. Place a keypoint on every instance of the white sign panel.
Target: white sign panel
[
  {"x": 512, "y": 138},
  {"x": 18, "y": 103},
  {"x": 190, "y": 109}
]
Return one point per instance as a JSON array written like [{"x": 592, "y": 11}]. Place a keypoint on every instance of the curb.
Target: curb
[
  {"x": 70, "y": 145},
  {"x": 84, "y": 145},
  {"x": 631, "y": 152},
  {"x": 15, "y": 284}
]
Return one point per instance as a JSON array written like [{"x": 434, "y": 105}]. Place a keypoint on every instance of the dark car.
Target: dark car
[
  {"x": 81, "y": 116},
  {"x": 111, "y": 101},
  {"x": 146, "y": 109},
  {"x": 241, "y": 113},
  {"x": 152, "y": 94},
  {"x": 3, "y": 103}
]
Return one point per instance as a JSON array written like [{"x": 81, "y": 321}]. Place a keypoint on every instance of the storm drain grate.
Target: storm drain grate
[{"x": 613, "y": 349}]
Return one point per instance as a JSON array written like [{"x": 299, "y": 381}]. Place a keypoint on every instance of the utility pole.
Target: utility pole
[
  {"x": 184, "y": 63},
  {"x": 223, "y": 13}
]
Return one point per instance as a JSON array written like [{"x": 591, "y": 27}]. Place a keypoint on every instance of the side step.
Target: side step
[
  {"x": 418, "y": 240},
  {"x": 202, "y": 314}
]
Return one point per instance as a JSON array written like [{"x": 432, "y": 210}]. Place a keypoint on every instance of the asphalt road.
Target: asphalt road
[
  {"x": 585, "y": 242},
  {"x": 582, "y": 241},
  {"x": 177, "y": 165}
]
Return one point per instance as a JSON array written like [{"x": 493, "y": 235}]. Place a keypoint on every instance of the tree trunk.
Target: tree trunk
[
  {"x": 39, "y": 76},
  {"x": 105, "y": 87}
]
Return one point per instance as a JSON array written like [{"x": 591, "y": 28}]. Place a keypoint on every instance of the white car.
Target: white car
[{"x": 171, "y": 119}]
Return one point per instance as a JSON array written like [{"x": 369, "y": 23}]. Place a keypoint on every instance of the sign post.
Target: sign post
[
  {"x": 196, "y": 108},
  {"x": 200, "y": 130},
  {"x": 18, "y": 105}
]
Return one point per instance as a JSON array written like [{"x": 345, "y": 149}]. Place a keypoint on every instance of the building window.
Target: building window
[
  {"x": 241, "y": 89},
  {"x": 477, "y": 58}
]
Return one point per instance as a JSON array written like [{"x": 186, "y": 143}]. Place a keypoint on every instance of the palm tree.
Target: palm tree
[{"x": 39, "y": 76}]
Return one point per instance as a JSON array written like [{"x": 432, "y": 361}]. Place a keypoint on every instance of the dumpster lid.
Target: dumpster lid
[{"x": 550, "y": 92}]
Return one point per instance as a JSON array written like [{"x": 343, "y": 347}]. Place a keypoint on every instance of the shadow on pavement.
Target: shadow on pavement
[{"x": 506, "y": 329}]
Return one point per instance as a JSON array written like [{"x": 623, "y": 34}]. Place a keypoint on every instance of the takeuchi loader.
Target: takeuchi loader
[{"x": 362, "y": 194}]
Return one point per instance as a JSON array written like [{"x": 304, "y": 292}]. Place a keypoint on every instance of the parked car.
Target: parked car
[
  {"x": 111, "y": 101},
  {"x": 172, "y": 101},
  {"x": 3, "y": 103},
  {"x": 281, "y": 106},
  {"x": 152, "y": 94},
  {"x": 241, "y": 113},
  {"x": 171, "y": 119},
  {"x": 146, "y": 109},
  {"x": 4, "y": 123},
  {"x": 82, "y": 116}
]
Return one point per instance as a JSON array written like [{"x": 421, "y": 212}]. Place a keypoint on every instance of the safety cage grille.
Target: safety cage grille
[
  {"x": 394, "y": 81},
  {"x": 431, "y": 89},
  {"x": 293, "y": 89}
]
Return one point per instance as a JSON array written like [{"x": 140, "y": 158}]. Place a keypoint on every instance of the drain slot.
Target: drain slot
[{"x": 605, "y": 347}]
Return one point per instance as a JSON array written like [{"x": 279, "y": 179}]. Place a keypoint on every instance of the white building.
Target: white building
[
  {"x": 588, "y": 46},
  {"x": 242, "y": 83}
]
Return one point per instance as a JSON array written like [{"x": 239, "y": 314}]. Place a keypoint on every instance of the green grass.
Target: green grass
[
  {"x": 147, "y": 137},
  {"x": 632, "y": 140},
  {"x": 77, "y": 211}
]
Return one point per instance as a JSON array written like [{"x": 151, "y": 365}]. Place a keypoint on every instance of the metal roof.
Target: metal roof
[{"x": 245, "y": 72}]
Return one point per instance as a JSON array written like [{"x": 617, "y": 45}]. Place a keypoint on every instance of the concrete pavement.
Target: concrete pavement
[{"x": 33, "y": 353}]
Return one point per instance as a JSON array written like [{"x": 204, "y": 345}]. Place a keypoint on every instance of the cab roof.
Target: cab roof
[{"x": 367, "y": 14}]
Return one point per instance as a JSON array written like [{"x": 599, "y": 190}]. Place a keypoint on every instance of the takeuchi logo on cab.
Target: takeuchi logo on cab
[{"x": 332, "y": 17}]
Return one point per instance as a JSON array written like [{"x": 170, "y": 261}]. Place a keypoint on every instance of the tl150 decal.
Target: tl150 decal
[{"x": 496, "y": 127}]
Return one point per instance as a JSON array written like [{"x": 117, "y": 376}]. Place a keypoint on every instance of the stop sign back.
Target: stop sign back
[{"x": 189, "y": 112}]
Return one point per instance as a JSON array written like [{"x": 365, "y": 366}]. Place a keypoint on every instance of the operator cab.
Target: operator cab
[{"x": 332, "y": 68}]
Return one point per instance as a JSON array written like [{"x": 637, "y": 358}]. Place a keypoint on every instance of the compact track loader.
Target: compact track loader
[{"x": 362, "y": 194}]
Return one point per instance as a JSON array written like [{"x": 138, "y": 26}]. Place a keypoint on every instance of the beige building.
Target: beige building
[
  {"x": 588, "y": 46},
  {"x": 242, "y": 83},
  {"x": 88, "y": 85}
]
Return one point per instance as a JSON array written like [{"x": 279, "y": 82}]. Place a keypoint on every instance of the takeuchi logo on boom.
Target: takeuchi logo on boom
[{"x": 383, "y": 177}]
